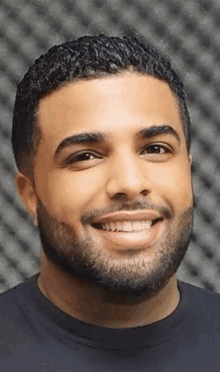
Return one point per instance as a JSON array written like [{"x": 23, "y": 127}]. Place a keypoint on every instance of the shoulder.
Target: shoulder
[
  {"x": 11, "y": 293},
  {"x": 16, "y": 298},
  {"x": 10, "y": 307},
  {"x": 204, "y": 304},
  {"x": 199, "y": 293}
]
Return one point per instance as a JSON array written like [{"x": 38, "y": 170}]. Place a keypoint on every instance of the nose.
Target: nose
[{"x": 127, "y": 176}]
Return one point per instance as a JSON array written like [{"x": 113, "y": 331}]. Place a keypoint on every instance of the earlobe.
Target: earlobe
[{"x": 27, "y": 194}]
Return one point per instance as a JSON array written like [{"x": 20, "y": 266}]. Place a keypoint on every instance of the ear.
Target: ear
[
  {"x": 191, "y": 159},
  {"x": 27, "y": 194}
]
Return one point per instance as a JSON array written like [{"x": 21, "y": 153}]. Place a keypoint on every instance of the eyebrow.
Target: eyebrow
[{"x": 96, "y": 137}]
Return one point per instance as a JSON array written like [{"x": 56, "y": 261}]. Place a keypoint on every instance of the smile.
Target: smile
[
  {"x": 126, "y": 226},
  {"x": 130, "y": 234}
]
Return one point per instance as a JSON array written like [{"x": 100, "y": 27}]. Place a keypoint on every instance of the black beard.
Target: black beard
[{"x": 131, "y": 278}]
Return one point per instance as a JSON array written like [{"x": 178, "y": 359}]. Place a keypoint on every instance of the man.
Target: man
[{"x": 102, "y": 145}]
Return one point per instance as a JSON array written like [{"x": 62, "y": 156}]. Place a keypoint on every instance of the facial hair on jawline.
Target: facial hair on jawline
[{"x": 132, "y": 277}]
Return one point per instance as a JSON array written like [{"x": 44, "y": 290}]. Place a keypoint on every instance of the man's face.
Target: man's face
[{"x": 85, "y": 181}]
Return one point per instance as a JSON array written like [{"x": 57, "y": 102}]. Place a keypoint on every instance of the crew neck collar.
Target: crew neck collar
[{"x": 115, "y": 338}]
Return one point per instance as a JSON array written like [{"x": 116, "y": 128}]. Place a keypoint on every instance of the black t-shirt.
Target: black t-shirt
[{"x": 36, "y": 336}]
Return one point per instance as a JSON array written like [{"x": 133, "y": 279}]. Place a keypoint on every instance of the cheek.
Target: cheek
[
  {"x": 174, "y": 184},
  {"x": 71, "y": 193}
]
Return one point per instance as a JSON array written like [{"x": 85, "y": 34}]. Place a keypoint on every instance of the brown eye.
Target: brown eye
[
  {"x": 157, "y": 149},
  {"x": 83, "y": 157},
  {"x": 80, "y": 157}
]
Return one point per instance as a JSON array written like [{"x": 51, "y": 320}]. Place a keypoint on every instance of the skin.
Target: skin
[{"x": 120, "y": 173}]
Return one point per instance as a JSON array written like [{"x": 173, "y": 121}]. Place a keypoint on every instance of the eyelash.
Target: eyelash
[
  {"x": 166, "y": 148},
  {"x": 73, "y": 159}
]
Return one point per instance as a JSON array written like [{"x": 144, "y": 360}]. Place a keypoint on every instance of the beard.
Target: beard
[{"x": 134, "y": 275}]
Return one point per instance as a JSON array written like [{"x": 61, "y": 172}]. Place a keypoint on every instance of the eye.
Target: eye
[
  {"x": 81, "y": 157},
  {"x": 157, "y": 150}
]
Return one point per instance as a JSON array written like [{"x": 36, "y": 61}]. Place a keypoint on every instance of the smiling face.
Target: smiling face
[{"x": 137, "y": 162}]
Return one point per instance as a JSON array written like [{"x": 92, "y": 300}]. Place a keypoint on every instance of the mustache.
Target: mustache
[{"x": 164, "y": 210}]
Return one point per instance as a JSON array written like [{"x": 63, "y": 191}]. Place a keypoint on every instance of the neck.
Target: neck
[{"x": 91, "y": 304}]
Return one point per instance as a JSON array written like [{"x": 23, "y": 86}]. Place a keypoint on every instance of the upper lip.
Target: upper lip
[{"x": 148, "y": 215}]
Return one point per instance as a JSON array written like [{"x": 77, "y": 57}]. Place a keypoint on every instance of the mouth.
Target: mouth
[
  {"x": 126, "y": 235},
  {"x": 125, "y": 227}
]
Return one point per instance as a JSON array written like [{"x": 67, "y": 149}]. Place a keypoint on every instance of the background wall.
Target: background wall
[{"x": 189, "y": 31}]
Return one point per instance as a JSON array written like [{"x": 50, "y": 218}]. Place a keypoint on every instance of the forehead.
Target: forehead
[{"x": 114, "y": 104}]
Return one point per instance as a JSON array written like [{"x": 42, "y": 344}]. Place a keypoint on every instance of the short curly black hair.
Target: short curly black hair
[{"x": 87, "y": 57}]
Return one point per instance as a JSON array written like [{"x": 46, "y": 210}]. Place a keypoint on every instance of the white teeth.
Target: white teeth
[
  {"x": 112, "y": 226},
  {"x": 127, "y": 226}
]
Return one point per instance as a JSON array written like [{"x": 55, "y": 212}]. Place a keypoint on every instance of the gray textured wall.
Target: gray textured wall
[{"x": 189, "y": 31}]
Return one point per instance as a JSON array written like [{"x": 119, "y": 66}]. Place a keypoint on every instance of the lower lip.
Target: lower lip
[{"x": 135, "y": 239}]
